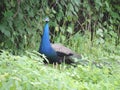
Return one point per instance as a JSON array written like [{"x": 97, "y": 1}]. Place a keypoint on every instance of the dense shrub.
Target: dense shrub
[{"x": 21, "y": 22}]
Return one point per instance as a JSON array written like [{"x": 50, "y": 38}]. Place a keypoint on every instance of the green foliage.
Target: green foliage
[
  {"x": 28, "y": 72},
  {"x": 21, "y": 22},
  {"x": 89, "y": 27}
]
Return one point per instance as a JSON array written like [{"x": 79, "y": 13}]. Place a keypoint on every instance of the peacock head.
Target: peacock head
[{"x": 46, "y": 19}]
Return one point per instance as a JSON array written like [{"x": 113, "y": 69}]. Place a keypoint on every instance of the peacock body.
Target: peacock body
[
  {"x": 54, "y": 52},
  {"x": 57, "y": 53}
]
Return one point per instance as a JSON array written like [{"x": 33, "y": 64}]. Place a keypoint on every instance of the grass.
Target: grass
[{"x": 27, "y": 72}]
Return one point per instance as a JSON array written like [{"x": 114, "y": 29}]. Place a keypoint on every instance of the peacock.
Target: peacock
[{"x": 55, "y": 53}]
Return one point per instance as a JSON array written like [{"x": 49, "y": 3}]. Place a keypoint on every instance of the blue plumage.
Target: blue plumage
[{"x": 45, "y": 46}]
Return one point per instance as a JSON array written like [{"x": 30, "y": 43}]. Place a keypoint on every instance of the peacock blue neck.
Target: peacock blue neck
[
  {"x": 45, "y": 38},
  {"x": 45, "y": 46}
]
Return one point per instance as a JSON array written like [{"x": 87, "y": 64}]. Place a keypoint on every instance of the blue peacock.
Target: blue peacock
[{"x": 55, "y": 53}]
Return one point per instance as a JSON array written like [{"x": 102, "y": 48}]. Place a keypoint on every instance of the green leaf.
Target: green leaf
[
  {"x": 54, "y": 11},
  {"x": 4, "y": 31},
  {"x": 99, "y": 32},
  {"x": 77, "y": 2},
  {"x": 8, "y": 14},
  {"x": 71, "y": 7},
  {"x": 63, "y": 37},
  {"x": 115, "y": 15},
  {"x": 69, "y": 29}
]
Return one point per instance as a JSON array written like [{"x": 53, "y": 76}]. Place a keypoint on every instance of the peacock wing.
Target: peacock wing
[{"x": 65, "y": 53}]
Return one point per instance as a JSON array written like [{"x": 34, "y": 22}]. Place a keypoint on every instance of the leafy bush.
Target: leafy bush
[
  {"x": 28, "y": 72},
  {"x": 21, "y": 22}
]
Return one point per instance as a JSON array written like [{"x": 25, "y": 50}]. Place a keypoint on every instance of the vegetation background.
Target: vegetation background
[{"x": 89, "y": 27}]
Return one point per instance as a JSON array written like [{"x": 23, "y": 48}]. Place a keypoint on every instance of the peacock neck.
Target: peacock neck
[
  {"x": 45, "y": 37},
  {"x": 45, "y": 46}
]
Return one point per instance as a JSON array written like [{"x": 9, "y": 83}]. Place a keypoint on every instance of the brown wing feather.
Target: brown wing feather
[
  {"x": 65, "y": 53},
  {"x": 60, "y": 48}
]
